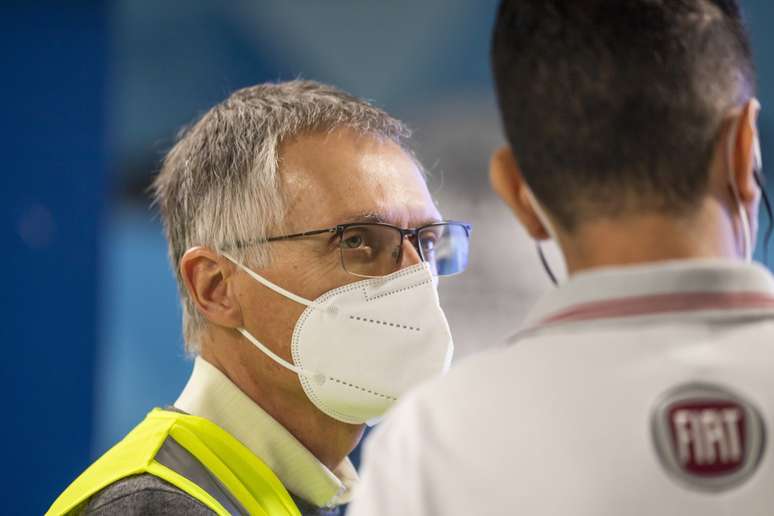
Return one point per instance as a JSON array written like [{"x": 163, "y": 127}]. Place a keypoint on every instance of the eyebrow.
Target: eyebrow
[
  {"x": 365, "y": 217},
  {"x": 372, "y": 217}
]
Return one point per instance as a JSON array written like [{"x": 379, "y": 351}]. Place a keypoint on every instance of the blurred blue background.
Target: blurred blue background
[{"x": 94, "y": 93}]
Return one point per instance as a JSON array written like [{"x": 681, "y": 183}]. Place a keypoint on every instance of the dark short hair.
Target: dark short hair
[{"x": 614, "y": 106}]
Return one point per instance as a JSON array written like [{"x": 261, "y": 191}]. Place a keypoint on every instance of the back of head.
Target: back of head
[{"x": 614, "y": 106}]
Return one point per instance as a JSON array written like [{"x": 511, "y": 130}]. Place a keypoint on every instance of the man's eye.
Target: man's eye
[{"x": 352, "y": 242}]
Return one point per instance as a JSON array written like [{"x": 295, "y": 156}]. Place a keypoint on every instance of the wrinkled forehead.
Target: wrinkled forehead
[{"x": 342, "y": 176}]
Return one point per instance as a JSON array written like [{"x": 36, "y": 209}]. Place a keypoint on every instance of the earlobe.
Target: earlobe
[
  {"x": 508, "y": 183},
  {"x": 205, "y": 276}
]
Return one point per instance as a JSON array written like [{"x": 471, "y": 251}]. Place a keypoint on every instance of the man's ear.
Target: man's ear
[
  {"x": 745, "y": 154},
  {"x": 508, "y": 183},
  {"x": 206, "y": 277}
]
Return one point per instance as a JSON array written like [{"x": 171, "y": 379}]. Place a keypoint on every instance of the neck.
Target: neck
[
  {"x": 326, "y": 438},
  {"x": 644, "y": 238}
]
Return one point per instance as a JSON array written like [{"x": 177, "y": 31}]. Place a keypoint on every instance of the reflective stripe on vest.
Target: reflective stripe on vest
[
  {"x": 177, "y": 458},
  {"x": 194, "y": 455}
]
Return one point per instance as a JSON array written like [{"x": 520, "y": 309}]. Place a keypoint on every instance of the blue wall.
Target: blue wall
[{"x": 53, "y": 177}]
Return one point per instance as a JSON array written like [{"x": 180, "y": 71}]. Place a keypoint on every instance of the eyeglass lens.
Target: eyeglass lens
[
  {"x": 373, "y": 250},
  {"x": 445, "y": 247}
]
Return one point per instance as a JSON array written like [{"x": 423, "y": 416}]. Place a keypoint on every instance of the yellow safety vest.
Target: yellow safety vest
[{"x": 249, "y": 482}]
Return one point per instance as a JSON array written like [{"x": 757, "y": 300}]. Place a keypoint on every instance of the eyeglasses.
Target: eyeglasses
[{"x": 374, "y": 249}]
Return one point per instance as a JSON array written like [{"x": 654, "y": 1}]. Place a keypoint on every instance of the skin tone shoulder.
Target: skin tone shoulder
[{"x": 327, "y": 179}]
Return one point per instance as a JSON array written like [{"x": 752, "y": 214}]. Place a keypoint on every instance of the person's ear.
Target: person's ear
[
  {"x": 508, "y": 183},
  {"x": 745, "y": 154},
  {"x": 206, "y": 277}
]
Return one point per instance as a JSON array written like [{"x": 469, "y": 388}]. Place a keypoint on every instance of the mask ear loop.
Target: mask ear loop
[
  {"x": 318, "y": 377},
  {"x": 281, "y": 361},
  {"x": 769, "y": 216},
  {"x": 268, "y": 284},
  {"x": 744, "y": 219},
  {"x": 546, "y": 267},
  {"x": 543, "y": 216},
  {"x": 760, "y": 181}
]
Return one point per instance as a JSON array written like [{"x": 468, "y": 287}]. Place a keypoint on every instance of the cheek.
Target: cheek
[{"x": 326, "y": 274}]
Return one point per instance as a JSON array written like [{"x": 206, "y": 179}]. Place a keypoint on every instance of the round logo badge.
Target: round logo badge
[{"x": 707, "y": 437}]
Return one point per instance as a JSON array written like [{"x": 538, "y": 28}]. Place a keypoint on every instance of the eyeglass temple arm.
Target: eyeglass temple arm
[
  {"x": 240, "y": 245},
  {"x": 304, "y": 234}
]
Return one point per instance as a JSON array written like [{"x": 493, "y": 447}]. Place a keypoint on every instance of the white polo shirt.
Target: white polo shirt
[{"x": 642, "y": 390}]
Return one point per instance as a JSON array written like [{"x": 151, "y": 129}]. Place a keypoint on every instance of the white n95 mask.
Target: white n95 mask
[{"x": 358, "y": 348}]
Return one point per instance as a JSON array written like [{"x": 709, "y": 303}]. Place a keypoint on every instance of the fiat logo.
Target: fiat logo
[{"x": 707, "y": 437}]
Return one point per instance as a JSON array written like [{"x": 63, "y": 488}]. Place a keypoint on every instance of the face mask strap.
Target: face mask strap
[
  {"x": 747, "y": 250},
  {"x": 543, "y": 216},
  {"x": 268, "y": 284},
  {"x": 769, "y": 215},
  {"x": 746, "y": 231},
  {"x": 761, "y": 182},
  {"x": 281, "y": 361},
  {"x": 278, "y": 359},
  {"x": 246, "y": 334},
  {"x": 546, "y": 267}
]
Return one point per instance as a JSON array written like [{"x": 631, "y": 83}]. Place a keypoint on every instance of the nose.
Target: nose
[{"x": 409, "y": 254}]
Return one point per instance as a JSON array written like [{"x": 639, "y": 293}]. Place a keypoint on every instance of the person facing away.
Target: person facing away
[
  {"x": 642, "y": 385},
  {"x": 307, "y": 250}
]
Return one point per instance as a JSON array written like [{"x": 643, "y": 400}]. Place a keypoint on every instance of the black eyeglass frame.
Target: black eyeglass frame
[{"x": 339, "y": 229}]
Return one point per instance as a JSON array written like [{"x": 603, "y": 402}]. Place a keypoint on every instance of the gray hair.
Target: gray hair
[{"x": 220, "y": 183}]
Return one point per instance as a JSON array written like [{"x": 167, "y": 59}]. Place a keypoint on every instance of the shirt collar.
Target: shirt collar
[
  {"x": 654, "y": 287},
  {"x": 211, "y": 395}
]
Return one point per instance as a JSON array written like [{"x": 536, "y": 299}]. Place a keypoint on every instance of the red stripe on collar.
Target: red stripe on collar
[{"x": 662, "y": 303}]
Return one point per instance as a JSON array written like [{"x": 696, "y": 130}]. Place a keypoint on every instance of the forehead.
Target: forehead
[{"x": 342, "y": 176}]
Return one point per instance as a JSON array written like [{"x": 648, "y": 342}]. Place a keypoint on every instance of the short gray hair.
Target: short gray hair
[{"x": 220, "y": 183}]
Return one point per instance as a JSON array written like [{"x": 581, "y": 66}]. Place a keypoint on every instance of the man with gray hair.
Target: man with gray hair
[{"x": 306, "y": 247}]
